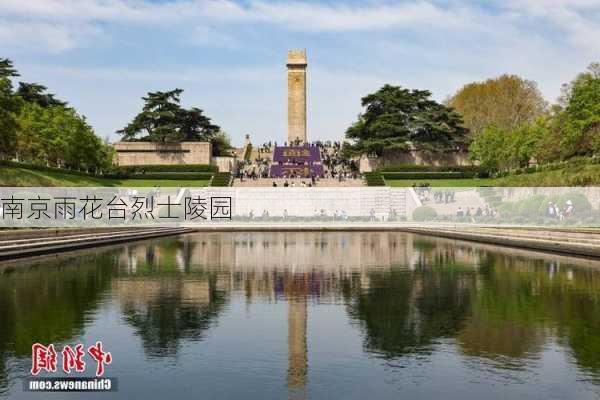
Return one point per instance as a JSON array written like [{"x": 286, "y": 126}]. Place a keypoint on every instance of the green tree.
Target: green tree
[
  {"x": 582, "y": 113},
  {"x": 506, "y": 102},
  {"x": 9, "y": 106},
  {"x": 36, "y": 93},
  {"x": 396, "y": 118},
  {"x": 221, "y": 144},
  {"x": 164, "y": 120},
  {"x": 59, "y": 136},
  {"x": 490, "y": 148},
  {"x": 159, "y": 118},
  {"x": 37, "y": 128},
  {"x": 499, "y": 150},
  {"x": 196, "y": 126}
]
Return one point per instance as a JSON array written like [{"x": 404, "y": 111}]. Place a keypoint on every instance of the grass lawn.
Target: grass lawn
[
  {"x": 10, "y": 176},
  {"x": 442, "y": 182}
]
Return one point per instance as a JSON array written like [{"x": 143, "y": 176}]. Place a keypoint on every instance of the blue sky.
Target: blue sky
[{"x": 229, "y": 56}]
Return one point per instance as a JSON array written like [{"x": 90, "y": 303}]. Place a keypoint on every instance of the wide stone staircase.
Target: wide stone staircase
[
  {"x": 462, "y": 198},
  {"x": 297, "y": 182}
]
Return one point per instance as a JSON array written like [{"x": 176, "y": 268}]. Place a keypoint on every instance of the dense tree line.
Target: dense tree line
[
  {"x": 511, "y": 125},
  {"x": 163, "y": 120},
  {"x": 37, "y": 128},
  {"x": 504, "y": 122}
]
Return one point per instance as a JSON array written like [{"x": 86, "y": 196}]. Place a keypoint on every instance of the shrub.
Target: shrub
[
  {"x": 424, "y": 213},
  {"x": 428, "y": 175},
  {"x": 430, "y": 168},
  {"x": 580, "y": 202},
  {"x": 532, "y": 206},
  {"x": 374, "y": 179},
  {"x": 221, "y": 179},
  {"x": 141, "y": 169},
  {"x": 176, "y": 176}
]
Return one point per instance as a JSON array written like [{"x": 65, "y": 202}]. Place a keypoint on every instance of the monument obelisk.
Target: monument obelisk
[{"x": 296, "y": 72}]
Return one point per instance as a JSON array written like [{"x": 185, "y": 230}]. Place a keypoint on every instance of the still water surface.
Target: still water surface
[{"x": 311, "y": 315}]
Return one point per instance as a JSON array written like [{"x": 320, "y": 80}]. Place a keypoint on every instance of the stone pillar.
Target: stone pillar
[{"x": 296, "y": 72}]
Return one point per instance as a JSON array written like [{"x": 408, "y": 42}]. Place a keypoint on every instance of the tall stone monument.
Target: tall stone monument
[{"x": 296, "y": 72}]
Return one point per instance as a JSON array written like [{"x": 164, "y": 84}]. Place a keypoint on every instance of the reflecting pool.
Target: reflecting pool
[{"x": 311, "y": 315}]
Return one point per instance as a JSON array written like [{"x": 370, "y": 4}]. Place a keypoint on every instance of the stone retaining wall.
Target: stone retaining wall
[
  {"x": 152, "y": 153},
  {"x": 303, "y": 201}
]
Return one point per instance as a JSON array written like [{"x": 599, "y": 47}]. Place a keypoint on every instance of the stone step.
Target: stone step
[
  {"x": 540, "y": 235},
  {"x": 20, "y": 242},
  {"x": 536, "y": 236},
  {"x": 66, "y": 244}
]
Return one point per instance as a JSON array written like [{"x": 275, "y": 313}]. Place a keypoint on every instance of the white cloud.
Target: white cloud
[
  {"x": 132, "y": 11},
  {"x": 41, "y": 36},
  {"x": 578, "y": 19},
  {"x": 314, "y": 17},
  {"x": 289, "y": 15}
]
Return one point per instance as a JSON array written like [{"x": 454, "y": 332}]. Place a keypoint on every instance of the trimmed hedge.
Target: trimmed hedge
[
  {"x": 175, "y": 176},
  {"x": 122, "y": 173},
  {"x": 221, "y": 179},
  {"x": 144, "y": 169},
  {"x": 374, "y": 179},
  {"x": 428, "y": 175},
  {"x": 432, "y": 168}
]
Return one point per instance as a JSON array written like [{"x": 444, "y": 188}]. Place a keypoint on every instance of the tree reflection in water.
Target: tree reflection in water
[
  {"x": 49, "y": 301},
  {"x": 163, "y": 300}
]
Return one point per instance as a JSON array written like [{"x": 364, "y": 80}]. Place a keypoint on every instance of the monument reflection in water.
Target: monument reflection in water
[{"x": 312, "y": 315}]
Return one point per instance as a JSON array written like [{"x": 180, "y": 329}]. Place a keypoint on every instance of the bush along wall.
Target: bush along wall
[
  {"x": 535, "y": 207},
  {"x": 424, "y": 213},
  {"x": 143, "y": 169},
  {"x": 374, "y": 179},
  {"x": 428, "y": 175},
  {"x": 176, "y": 176},
  {"x": 221, "y": 179},
  {"x": 470, "y": 169},
  {"x": 169, "y": 172}
]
